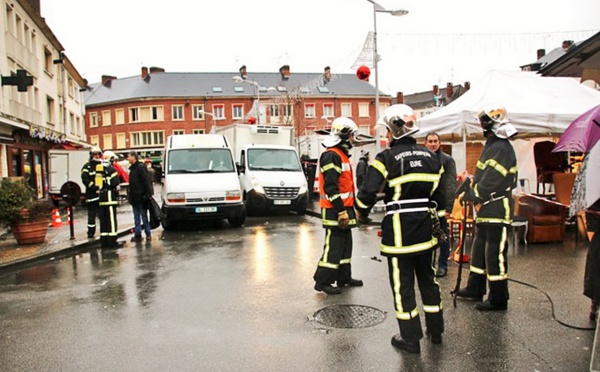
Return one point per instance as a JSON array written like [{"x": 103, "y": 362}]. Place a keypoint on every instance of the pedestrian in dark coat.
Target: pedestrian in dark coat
[{"x": 140, "y": 191}]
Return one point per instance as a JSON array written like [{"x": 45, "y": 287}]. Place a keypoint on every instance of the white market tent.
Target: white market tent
[{"x": 539, "y": 107}]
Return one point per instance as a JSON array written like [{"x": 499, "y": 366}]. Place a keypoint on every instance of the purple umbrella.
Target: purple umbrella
[{"x": 582, "y": 134}]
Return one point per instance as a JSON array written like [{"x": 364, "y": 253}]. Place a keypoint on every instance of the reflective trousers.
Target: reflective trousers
[
  {"x": 334, "y": 264},
  {"x": 489, "y": 261},
  {"x": 402, "y": 271},
  {"x": 108, "y": 226},
  {"x": 92, "y": 212}
]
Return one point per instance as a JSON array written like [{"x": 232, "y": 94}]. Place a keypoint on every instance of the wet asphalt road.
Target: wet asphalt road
[{"x": 219, "y": 299}]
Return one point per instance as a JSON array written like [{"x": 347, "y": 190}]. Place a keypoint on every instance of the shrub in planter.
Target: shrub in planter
[{"x": 22, "y": 212}]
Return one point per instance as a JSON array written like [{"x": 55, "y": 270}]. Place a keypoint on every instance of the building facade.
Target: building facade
[
  {"x": 140, "y": 112},
  {"x": 42, "y": 103}
]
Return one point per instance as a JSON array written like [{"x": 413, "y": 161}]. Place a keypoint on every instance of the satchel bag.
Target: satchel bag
[{"x": 155, "y": 214}]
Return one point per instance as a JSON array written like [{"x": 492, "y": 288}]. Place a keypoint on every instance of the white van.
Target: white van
[
  {"x": 272, "y": 178},
  {"x": 200, "y": 181}
]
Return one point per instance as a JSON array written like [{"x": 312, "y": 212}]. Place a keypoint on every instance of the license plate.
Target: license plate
[
  {"x": 282, "y": 202},
  {"x": 206, "y": 209}
]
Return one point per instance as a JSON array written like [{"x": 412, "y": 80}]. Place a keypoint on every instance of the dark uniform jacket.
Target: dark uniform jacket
[
  {"x": 140, "y": 184},
  {"x": 108, "y": 191},
  {"x": 88, "y": 178},
  {"x": 411, "y": 174},
  {"x": 448, "y": 180},
  {"x": 495, "y": 178}
]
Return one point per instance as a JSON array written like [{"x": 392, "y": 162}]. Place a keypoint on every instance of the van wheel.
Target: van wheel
[{"x": 236, "y": 221}]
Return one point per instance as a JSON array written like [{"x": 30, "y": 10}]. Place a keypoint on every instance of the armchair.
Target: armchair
[{"x": 546, "y": 219}]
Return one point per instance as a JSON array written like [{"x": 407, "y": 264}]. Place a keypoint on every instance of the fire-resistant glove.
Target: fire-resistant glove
[
  {"x": 343, "y": 220},
  {"x": 362, "y": 218}
]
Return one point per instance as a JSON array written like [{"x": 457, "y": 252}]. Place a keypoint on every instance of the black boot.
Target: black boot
[
  {"x": 413, "y": 347},
  {"x": 475, "y": 289}
]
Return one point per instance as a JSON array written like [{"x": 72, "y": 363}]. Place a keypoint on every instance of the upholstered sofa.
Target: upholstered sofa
[{"x": 546, "y": 219}]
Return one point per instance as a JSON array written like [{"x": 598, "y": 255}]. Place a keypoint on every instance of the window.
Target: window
[
  {"x": 288, "y": 111},
  {"x": 238, "y": 111},
  {"x": 363, "y": 110},
  {"x": 309, "y": 110},
  {"x": 151, "y": 138},
  {"x": 347, "y": 110},
  {"x": 121, "y": 144},
  {"x": 177, "y": 112},
  {"x": 238, "y": 89},
  {"x": 157, "y": 113},
  {"x": 364, "y": 129},
  {"x": 134, "y": 115},
  {"x": 50, "y": 110},
  {"x": 48, "y": 61},
  {"x": 94, "y": 140},
  {"x": 218, "y": 112},
  {"x": 178, "y": 132},
  {"x": 19, "y": 30},
  {"x": 304, "y": 90},
  {"x": 119, "y": 116},
  {"x": 323, "y": 89},
  {"x": 328, "y": 110},
  {"x": 281, "y": 89},
  {"x": 106, "y": 122},
  {"x": 107, "y": 142},
  {"x": 198, "y": 131},
  {"x": 274, "y": 110},
  {"x": 72, "y": 126},
  {"x": 217, "y": 90},
  {"x": 71, "y": 86},
  {"x": 198, "y": 112}
]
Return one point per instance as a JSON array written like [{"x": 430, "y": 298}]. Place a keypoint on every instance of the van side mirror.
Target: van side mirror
[{"x": 240, "y": 168}]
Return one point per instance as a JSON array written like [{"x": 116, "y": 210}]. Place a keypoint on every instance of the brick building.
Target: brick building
[{"x": 139, "y": 112}]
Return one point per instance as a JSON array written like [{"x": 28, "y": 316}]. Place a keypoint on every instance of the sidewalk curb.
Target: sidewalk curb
[{"x": 59, "y": 253}]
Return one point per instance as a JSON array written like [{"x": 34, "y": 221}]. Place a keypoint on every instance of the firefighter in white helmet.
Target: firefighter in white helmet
[
  {"x": 92, "y": 188},
  {"x": 495, "y": 178},
  {"x": 336, "y": 189},
  {"x": 409, "y": 174}
]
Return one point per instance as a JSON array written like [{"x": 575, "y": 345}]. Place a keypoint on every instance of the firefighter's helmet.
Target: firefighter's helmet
[
  {"x": 490, "y": 115},
  {"x": 110, "y": 156},
  {"x": 400, "y": 120},
  {"x": 95, "y": 150},
  {"x": 342, "y": 130}
]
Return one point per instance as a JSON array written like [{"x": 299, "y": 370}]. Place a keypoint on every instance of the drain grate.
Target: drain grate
[{"x": 349, "y": 316}]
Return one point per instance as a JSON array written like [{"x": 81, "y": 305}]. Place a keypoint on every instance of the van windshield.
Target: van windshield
[
  {"x": 200, "y": 161},
  {"x": 273, "y": 160}
]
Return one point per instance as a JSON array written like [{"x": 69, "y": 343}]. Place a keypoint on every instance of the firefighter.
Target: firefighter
[
  {"x": 92, "y": 189},
  {"x": 108, "y": 200},
  {"x": 495, "y": 178},
  {"x": 409, "y": 175},
  {"x": 336, "y": 189}
]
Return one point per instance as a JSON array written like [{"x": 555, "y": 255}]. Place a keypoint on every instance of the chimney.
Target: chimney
[
  {"x": 144, "y": 72},
  {"x": 435, "y": 90},
  {"x": 285, "y": 72},
  {"x": 399, "y": 97},
  {"x": 156, "y": 70},
  {"x": 449, "y": 90},
  {"x": 243, "y": 72},
  {"x": 327, "y": 74},
  {"x": 106, "y": 79},
  {"x": 467, "y": 85},
  {"x": 541, "y": 53}
]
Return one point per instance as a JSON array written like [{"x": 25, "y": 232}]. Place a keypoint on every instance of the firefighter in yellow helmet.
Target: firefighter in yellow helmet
[
  {"x": 92, "y": 188},
  {"x": 410, "y": 175},
  {"x": 495, "y": 178},
  {"x": 336, "y": 189}
]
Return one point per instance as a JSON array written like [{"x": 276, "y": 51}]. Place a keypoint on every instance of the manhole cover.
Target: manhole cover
[{"x": 349, "y": 316}]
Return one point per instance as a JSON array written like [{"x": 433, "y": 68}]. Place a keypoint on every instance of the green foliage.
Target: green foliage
[{"x": 15, "y": 196}]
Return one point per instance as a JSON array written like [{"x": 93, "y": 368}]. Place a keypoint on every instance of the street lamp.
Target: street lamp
[
  {"x": 213, "y": 118},
  {"x": 396, "y": 12},
  {"x": 239, "y": 79}
]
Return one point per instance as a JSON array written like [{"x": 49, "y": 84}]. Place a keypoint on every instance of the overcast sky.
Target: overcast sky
[{"x": 437, "y": 42}]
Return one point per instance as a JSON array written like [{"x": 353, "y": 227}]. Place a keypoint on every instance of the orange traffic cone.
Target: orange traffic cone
[
  {"x": 68, "y": 216},
  {"x": 56, "y": 221}
]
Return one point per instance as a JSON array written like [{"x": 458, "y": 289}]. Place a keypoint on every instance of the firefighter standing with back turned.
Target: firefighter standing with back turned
[
  {"x": 108, "y": 179},
  {"x": 336, "y": 189},
  {"x": 410, "y": 174},
  {"x": 495, "y": 178}
]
